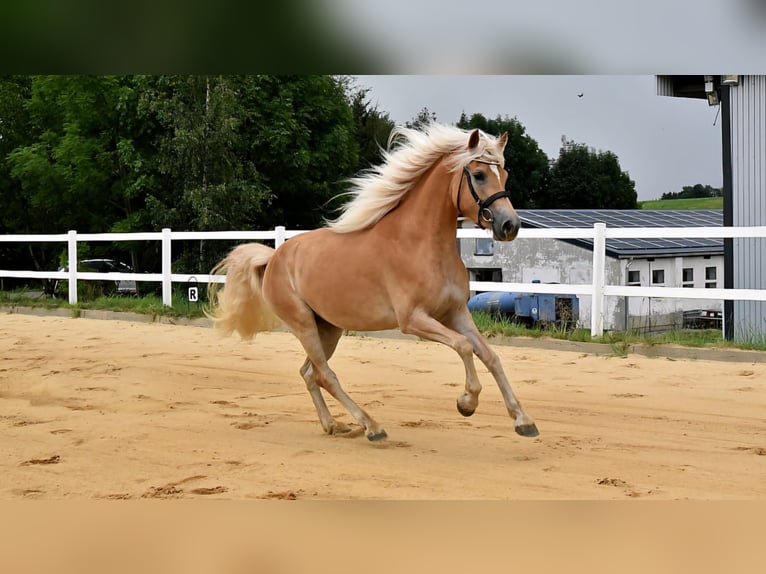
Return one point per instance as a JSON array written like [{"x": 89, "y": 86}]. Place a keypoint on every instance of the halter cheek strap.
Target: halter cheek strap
[{"x": 485, "y": 213}]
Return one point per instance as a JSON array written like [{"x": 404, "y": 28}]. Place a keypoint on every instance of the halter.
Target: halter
[{"x": 485, "y": 213}]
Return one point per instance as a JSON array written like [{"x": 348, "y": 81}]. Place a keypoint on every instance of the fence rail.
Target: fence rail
[{"x": 598, "y": 289}]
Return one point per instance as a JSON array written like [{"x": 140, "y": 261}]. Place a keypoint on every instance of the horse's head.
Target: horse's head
[{"x": 485, "y": 177}]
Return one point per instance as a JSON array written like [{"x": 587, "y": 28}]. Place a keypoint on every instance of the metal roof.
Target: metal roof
[{"x": 547, "y": 218}]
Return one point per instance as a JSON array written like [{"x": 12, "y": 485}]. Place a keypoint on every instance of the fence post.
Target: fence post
[
  {"x": 279, "y": 235},
  {"x": 599, "y": 261},
  {"x": 167, "y": 283},
  {"x": 72, "y": 265}
]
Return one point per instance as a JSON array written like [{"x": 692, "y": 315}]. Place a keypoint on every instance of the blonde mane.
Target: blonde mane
[{"x": 410, "y": 153}]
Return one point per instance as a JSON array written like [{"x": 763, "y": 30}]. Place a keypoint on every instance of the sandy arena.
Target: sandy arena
[{"x": 93, "y": 409}]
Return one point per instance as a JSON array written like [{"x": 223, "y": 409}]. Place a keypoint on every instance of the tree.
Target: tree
[
  {"x": 373, "y": 128},
  {"x": 526, "y": 163},
  {"x": 582, "y": 178},
  {"x": 302, "y": 142},
  {"x": 206, "y": 181},
  {"x": 424, "y": 117},
  {"x": 14, "y": 132},
  {"x": 697, "y": 190},
  {"x": 136, "y": 153},
  {"x": 248, "y": 152},
  {"x": 62, "y": 174}
]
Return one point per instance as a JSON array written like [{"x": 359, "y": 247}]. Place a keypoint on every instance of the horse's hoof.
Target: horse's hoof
[
  {"x": 529, "y": 430},
  {"x": 376, "y": 436},
  {"x": 338, "y": 428},
  {"x": 466, "y": 404},
  {"x": 464, "y": 411}
]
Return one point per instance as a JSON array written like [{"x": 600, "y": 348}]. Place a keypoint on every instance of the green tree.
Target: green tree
[
  {"x": 14, "y": 132},
  {"x": 246, "y": 152},
  {"x": 526, "y": 163},
  {"x": 582, "y": 178},
  {"x": 67, "y": 172},
  {"x": 692, "y": 191},
  {"x": 205, "y": 181},
  {"x": 301, "y": 138},
  {"x": 373, "y": 128},
  {"x": 423, "y": 117},
  {"x": 136, "y": 153}
]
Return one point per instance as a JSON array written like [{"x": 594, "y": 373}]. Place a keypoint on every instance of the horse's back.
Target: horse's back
[{"x": 336, "y": 275}]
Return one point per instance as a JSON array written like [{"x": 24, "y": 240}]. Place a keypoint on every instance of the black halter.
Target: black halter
[{"x": 485, "y": 213}]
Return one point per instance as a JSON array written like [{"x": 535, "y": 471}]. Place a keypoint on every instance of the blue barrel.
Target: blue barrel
[{"x": 494, "y": 303}]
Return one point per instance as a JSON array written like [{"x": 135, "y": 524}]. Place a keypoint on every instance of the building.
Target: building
[
  {"x": 655, "y": 262},
  {"x": 742, "y": 101}
]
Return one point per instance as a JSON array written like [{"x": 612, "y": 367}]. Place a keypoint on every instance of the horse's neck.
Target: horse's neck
[{"x": 427, "y": 209}]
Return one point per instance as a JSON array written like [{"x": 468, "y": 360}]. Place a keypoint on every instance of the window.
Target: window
[
  {"x": 484, "y": 246},
  {"x": 634, "y": 278},
  {"x": 711, "y": 275},
  {"x": 495, "y": 275},
  {"x": 687, "y": 279},
  {"x": 486, "y": 274},
  {"x": 658, "y": 277}
]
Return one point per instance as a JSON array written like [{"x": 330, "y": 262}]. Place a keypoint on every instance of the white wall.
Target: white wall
[
  {"x": 552, "y": 260},
  {"x": 657, "y": 312}
]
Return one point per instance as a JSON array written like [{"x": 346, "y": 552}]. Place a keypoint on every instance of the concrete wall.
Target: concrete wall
[
  {"x": 656, "y": 314},
  {"x": 556, "y": 261},
  {"x": 550, "y": 261}
]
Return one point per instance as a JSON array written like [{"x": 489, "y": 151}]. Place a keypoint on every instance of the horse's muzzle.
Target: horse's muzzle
[{"x": 506, "y": 228}]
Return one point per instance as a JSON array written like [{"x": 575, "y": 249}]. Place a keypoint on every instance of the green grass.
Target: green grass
[
  {"x": 692, "y": 203},
  {"x": 147, "y": 305},
  {"x": 490, "y": 326},
  {"x": 619, "y": 341},
  {"x": 493, "y": 326}
]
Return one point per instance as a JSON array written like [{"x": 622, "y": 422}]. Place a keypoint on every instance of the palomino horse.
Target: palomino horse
[{"x": 388, "y": 261}]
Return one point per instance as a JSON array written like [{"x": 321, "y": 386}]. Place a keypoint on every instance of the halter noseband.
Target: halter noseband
[{"x": 485, "y": 213}]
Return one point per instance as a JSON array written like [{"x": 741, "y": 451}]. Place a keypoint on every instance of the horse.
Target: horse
[{"x": 388, "y": 261}]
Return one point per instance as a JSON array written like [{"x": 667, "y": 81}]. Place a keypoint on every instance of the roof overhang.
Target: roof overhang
[{"x": 683, "y": 86}]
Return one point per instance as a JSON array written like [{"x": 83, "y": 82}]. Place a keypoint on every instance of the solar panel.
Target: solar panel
[{"x": 558, "y": 218}]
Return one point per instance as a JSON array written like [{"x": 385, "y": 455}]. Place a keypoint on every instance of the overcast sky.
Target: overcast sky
[{"x": 663, "y": 143}]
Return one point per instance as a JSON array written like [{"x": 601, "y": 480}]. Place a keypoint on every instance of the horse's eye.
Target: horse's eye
[{"x": 479, "y": 176}]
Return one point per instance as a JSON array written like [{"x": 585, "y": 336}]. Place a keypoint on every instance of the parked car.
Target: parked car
[{"x": 119, "y": 287}]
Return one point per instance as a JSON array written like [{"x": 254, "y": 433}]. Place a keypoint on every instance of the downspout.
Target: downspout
[
  {"x": 626, "y": 300},
  {"x": 728, "y": 211}
]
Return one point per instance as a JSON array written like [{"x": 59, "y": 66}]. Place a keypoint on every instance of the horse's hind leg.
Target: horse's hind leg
[
  {"x": 282, "y": 298},
  {"x": 327, "y": 379},
  {"x": 304, "y": 324},
  {"x": 329, "y": 335}
]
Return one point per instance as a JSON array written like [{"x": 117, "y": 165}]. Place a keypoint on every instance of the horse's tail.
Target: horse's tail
[{"x": 239, "y": 305}]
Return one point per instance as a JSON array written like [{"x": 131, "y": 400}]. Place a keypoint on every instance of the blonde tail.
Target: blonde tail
[{"x": 239, "y": 305}]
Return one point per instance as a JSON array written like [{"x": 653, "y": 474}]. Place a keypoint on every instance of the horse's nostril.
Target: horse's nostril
[{"x": 507, "y": 229}]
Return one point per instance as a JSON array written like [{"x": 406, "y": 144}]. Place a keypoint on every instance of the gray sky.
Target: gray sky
[{"x": 663, "y": 143}]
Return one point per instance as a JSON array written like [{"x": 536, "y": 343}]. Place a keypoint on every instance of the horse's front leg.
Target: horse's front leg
[
  {"x": 463, "y": 323},
  {"x": 423, "y": 325}
]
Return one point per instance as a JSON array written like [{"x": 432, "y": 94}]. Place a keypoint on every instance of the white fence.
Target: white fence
[{"x": 599, "y": 233}]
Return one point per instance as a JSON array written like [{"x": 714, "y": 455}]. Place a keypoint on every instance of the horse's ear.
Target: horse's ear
[
  {"x": 473, "y": 139},
  {"x": 502, "y": 140}
]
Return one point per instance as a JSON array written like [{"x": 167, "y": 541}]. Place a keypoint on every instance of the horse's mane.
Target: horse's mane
[{"x": 411, "y": 152}]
